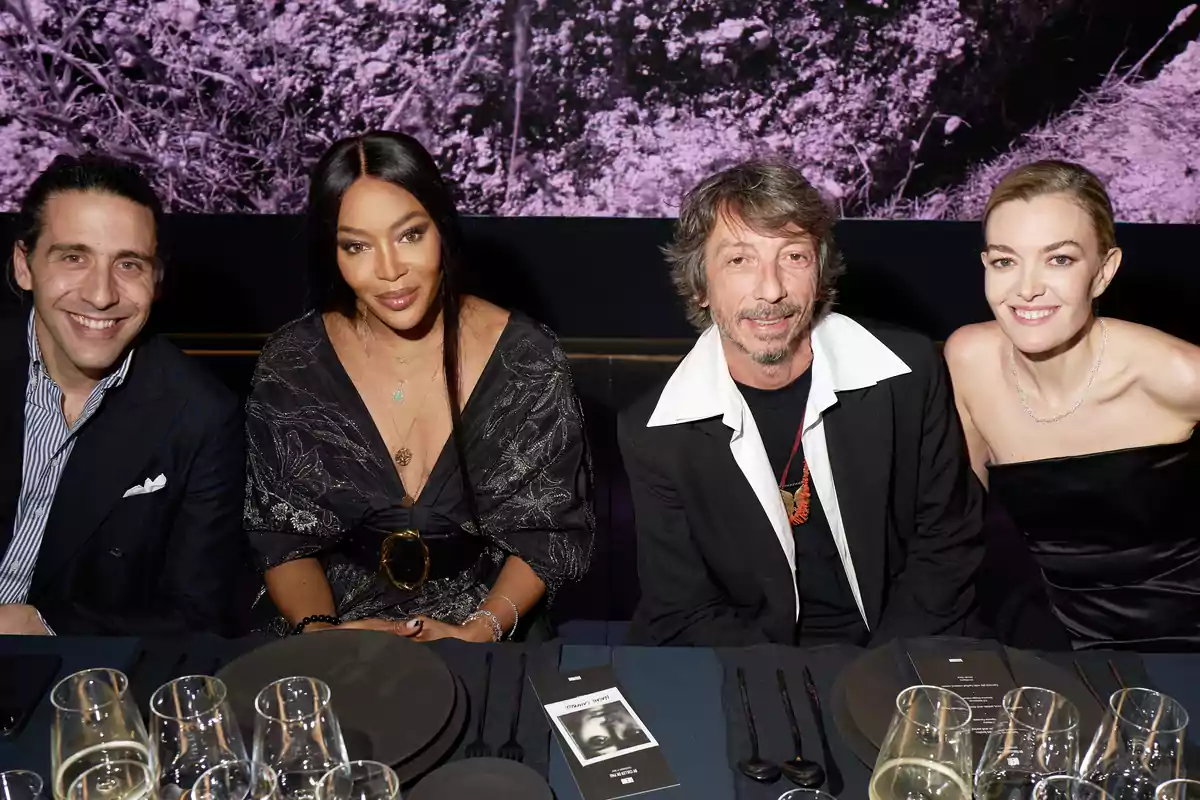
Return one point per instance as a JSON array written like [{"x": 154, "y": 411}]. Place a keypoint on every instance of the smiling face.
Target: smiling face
[
  {"x": 1044, "y": 269},
  {"x": 761, "y": 289},
  {"x": 389, "y": 253},
  {"x": 93, "y": 278}
]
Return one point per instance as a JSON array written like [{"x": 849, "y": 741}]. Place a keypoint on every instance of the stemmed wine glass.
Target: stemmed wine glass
[
  {"x": 194, "y": 729},
  {"x": 20, "y": 784},
  {"x": 297, "y": 734},
  {"x": 360, "y": 780},
  {"x": 1178, "y": 789},
  {"x": 927, "y": 750},
  {"x": 237, "y": 780},
  {"x": 1139, "y": 745},
  {"x": 114, "y": 780},
  {"x": 1067, "y": 787},
  {"x": 96, "y": 722},
  {"x": 1036, "y": 735}
]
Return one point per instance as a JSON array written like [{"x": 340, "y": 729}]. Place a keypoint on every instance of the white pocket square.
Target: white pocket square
[{"x": 149, "y": 487}]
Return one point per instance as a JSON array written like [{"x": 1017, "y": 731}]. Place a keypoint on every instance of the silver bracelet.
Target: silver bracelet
[
  {"x": 497, "y": 633},
  {"x": 516, "y": 613}
]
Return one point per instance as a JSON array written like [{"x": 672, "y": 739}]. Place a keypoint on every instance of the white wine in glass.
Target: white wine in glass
[
  {"x": 926, "y": 754},
  {"x": 96, "y": 722},
  {"x": 114, "y": 780}
]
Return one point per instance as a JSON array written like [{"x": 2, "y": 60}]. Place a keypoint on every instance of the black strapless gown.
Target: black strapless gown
[{"x": 1117, "y": 537}]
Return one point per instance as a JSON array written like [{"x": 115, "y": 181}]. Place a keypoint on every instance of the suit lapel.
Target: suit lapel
[
  {"x": 743, "y": 511},
  {"x": 14, "y": 378},
  {"x": 859, "y": 434},
  {"x": 109, "y": 457}
]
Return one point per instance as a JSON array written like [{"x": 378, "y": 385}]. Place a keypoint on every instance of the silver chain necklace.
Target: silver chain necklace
[{"x": 1012, "y": 365}]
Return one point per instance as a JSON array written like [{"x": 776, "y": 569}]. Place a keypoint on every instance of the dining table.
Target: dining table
[{"x": 685, "y": 696}]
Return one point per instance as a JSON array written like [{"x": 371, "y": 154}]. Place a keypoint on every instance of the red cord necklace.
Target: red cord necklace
[{"x": 796, "y": 503}]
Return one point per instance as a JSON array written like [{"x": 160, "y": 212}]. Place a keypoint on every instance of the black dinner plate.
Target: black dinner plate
[
  {"x": 443, "y": 745},
  {"x": 491, "y": 778},
  {"x": 392, "y": 697},
  {"x": 864, "y": 695}
]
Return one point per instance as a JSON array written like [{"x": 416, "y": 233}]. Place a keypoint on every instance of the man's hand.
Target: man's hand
[{"x": 18, "y": 618}]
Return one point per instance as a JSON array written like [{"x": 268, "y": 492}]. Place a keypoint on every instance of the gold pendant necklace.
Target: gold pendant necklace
[{"x": 403, "y": 455}]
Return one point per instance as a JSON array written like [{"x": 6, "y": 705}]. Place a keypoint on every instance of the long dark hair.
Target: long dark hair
[{"x": 402, "y": 161}]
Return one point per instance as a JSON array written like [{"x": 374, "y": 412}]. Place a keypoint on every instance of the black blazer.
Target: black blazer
[
  {"x": 712, "y": 571},
  {"x": 172, "y": 561}
]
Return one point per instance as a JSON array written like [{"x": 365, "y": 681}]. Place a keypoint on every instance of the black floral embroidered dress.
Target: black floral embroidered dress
[{"x": 321, "y": 483}]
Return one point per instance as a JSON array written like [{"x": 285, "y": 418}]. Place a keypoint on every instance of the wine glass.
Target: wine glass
[
  {"x": 96, "y": 721},
  {"x": 20, "y": 784},
  {"x": 359, "y": 780},
  {"x": 297, "y": 734},
  {"x": 805, "y": 794},
  {"x": 927, "y": 750},
  {"x": 1036, "y": 735},
  {"x": 1178, "y": 789},
  {"x": 194, "y": 729},
  {"x": 1138, "y": 746},
  {"x": 1067, "y": 787},
  {"x": 114, "y": 780},
  {"x": 237, "y": 780}
]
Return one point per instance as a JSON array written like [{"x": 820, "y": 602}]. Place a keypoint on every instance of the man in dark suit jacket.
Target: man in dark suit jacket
[
  {"x": 121, "y": 462},
  {"x": 800, "y": 478}
]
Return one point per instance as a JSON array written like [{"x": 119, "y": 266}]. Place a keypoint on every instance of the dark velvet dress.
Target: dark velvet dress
[
  {"x": 321, "y": 483},
  {"x": 1117, "y": 537}
]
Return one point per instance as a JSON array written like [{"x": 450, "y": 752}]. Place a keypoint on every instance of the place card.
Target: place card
[{"x": 611, "y": 752}]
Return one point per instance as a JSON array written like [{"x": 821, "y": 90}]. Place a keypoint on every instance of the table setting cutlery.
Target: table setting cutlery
[
  {"x": 1087, "y": 684},
  {"x": 512, "y": 749},
  {"x": 833, "y": 776},
  {"x": 801, "y": 771},
  {"x": 755, "y": 767},
  {"x": 479, "y": 748}
]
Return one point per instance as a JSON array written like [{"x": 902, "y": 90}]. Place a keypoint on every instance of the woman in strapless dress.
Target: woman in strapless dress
[{"x": 1081, "y": 426}]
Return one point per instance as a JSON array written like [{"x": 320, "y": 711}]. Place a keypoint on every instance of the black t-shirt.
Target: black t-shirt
[{"x": 828, "y": 612}]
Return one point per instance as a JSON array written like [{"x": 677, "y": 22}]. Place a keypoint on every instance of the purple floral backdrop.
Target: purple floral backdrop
[{"x": 896, "y": 108}]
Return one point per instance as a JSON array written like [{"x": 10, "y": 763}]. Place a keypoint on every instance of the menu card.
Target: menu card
[
  {"x": 978, "y": 675},
  {"x": 612, "y": 754}
]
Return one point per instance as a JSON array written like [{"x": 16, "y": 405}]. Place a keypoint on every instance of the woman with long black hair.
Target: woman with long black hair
[{"x": 416, "y": 456}]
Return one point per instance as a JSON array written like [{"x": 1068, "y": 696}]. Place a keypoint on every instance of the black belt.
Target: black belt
[{"x": 408, "y": 558}]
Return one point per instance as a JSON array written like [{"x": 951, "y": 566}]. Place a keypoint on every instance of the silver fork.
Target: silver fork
[{"x": 512, "y": 749}]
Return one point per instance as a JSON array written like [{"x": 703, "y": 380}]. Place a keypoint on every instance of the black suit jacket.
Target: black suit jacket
[
  {"x": 172, "y": 561},
  {"x": 711, "y": 568}
]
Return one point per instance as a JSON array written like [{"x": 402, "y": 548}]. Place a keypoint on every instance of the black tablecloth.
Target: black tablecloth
[
  {"x": 680, "y": 693},
  {"x": 149, "y": 663}
]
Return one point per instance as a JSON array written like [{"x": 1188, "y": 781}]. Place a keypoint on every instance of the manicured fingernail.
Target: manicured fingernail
[{"x": 415, "y": 623}]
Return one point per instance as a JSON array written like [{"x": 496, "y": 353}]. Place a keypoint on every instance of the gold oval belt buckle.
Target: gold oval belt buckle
[{"x": 400, "y": 540}]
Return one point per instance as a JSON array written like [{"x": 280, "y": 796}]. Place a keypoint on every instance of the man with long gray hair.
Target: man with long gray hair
[{"x": 801, "y": 477}]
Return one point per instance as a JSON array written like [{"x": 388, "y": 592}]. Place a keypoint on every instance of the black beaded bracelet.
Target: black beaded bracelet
[{"x": 302, "y": 624}]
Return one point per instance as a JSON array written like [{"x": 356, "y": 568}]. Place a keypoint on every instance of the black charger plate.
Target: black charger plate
[
  {"x": 394, "y": 698},
  {"x": 446, "y": 742},
  {"x": 864, "y": 695},
  {"x": 491, "y": 778}
]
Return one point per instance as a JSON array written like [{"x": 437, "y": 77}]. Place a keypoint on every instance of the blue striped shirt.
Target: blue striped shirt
[{"x": 48, "y": 444}]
